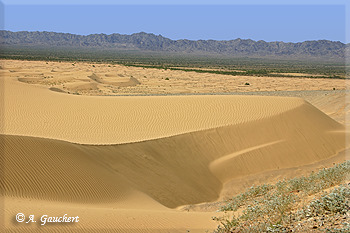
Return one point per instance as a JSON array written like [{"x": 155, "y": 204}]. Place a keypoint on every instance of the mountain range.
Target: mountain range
[{"x": 150, "y": 42}]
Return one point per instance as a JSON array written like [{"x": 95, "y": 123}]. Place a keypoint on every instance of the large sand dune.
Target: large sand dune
[
  {"x": 130, "y": 163},
  {"x": 110, "y": 120}
]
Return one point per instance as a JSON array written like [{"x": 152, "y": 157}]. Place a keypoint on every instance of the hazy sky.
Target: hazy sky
[{"x": 186, "y": 20}]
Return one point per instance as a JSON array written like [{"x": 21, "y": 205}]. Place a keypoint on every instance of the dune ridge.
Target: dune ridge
[
  {"x": 108, "y": 120},
  {"x": 177, "y": 163}
]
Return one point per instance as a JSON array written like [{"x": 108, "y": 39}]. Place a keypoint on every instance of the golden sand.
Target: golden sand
[{"x": 129, "y": 163}]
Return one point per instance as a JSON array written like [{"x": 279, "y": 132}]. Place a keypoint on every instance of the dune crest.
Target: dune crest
[
  {"x": 182, "y": 169},
  {"x": 110, "y": 120}
]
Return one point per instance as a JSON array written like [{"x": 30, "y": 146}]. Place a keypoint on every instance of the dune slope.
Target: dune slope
[{"x": 110, "y": 120}]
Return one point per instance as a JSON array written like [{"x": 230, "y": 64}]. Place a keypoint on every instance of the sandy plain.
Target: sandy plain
[
  {"x": 153, "y": 163},
  {"x": 107, "y": 79}
]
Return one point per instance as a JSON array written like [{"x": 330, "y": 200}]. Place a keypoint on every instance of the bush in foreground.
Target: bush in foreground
[{"x": 283, "y": 207}]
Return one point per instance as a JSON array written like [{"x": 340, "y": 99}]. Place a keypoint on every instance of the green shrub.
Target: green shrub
[
  {"x": 337, "y": 201},
  {"x": 269, "y": 208}
]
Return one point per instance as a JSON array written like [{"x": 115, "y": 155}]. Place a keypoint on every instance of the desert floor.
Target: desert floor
[{"x": 104, "y": 143}]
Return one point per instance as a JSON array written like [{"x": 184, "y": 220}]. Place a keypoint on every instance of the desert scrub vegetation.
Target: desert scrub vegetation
[
  {"x": 272, "y": 67},
  {"x": 318, "y": 202}
]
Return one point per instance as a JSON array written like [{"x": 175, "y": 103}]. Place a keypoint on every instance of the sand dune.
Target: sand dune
[
  {"x": 115, "y": 81},
  {"x": 81, "y": 86},
  {"x": 108, "y": 120},
  {"x": 334, "y": 105},
  {"x": 129, "y": 163},
  {"x": 99, "y": 219}
]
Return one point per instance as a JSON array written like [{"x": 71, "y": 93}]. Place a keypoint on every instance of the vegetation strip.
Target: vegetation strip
[{"x": 283, "y": 207}]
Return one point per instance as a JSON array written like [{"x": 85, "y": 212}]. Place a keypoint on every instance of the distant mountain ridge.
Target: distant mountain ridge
[{"x": 149, "y": 42}]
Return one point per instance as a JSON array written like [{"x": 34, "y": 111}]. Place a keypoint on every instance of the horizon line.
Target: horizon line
[{"x": 238, "y": 38}]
